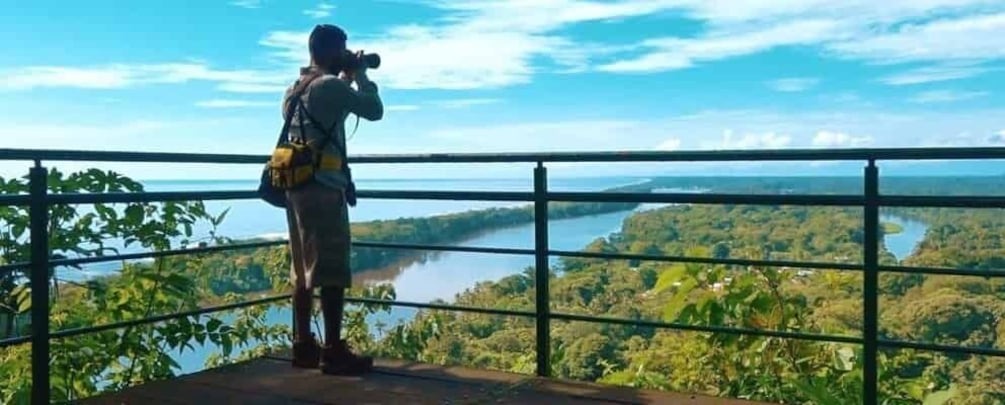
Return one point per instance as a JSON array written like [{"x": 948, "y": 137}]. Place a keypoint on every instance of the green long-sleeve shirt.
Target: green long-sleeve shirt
[{"x": 330, "y": 100}]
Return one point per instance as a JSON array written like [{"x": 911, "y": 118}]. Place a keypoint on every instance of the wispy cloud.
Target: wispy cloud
[
  {"x": 767, "y": 140},
  {"x": 945, "y": 96},
  {"x": 464, "y": 102},
  {"x": 118, "y": 76},
  {"x": 930, "y": 74},
  {"x": 452, "y": 104},
  {"x": 247, "y": 3},
  {"x": 793, "y": 84},
  {"x": 322, "y": 10},
  {"x": 840, "y": 139},
  {"x": 224, "y": 103},
  {"x": 997, "y": 138},
  {"x": 854, "y": 29},
  {"x": 969, "y": 38},
  {"x": 402, "y": 107},
  {"x": 669, "y": 144},
  {"x": 479, "y": 44},
  {"x": 673, "y": 53}
]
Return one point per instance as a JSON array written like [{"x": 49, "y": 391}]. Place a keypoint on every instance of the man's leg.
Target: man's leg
[
  {"x": 301, "y": 314},
  {"x": 306, "y": 351},
  {"x": 336, "y": 357}
]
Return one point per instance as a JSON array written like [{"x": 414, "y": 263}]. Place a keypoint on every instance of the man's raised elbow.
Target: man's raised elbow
[{"x": 376, "y": 114}]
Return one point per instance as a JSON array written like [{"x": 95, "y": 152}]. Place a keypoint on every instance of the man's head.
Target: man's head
[{"x": 327, "y": 46}]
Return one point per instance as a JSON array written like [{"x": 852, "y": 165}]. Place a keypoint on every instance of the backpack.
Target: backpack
[{"x": 294, "y": 163}]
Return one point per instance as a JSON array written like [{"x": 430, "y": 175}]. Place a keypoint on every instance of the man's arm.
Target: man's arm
[{"x": 364, "y": 102}]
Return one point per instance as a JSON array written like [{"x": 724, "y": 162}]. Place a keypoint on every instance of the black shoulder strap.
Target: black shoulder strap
[{"x": 292, "y": 102}]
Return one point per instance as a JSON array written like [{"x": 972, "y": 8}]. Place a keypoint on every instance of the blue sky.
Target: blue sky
[{"x": 522, "y": 75}]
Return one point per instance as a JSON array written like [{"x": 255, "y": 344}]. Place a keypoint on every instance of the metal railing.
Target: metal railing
[{"x": 871, "y": 200}]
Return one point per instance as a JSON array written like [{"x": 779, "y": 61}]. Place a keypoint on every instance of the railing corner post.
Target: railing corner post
[
  {"x": 870, "y": 285},
  {"x": 541, "y": 270},
  {"x": 38, "y": 213}
]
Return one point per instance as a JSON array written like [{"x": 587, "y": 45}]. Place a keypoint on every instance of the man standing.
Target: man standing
[{"x": 317, "y": 212}]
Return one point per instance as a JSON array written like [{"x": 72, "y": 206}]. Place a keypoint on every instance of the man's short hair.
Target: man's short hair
[{"x": 326, "y": 43}]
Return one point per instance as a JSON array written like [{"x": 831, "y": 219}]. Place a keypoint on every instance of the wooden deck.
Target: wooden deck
[{"x": 274, "y": 381}]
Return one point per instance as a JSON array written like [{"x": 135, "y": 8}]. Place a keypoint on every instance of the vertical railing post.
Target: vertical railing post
[
  {"x": 870, "y": 284},
  {"x": 541, "y": 270},
  {"x": 38, "y": 213}
]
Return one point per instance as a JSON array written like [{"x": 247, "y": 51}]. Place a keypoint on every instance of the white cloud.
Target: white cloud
[
  {"x": 679, "y": 53},
  {"x": 839, "y": 139},
  {"x": 120, "y": 75},
  {"x": 879, "y": 32},
  {"x": 969, "y": 38},
  {"x": 793, "y": 84},
  {"x": 930, "y": 74},
  {"x": 241, "y": 87},
  {"x": 401, "y": 107},
  {"x": 767, "y": 140},
  {"x": 223, "y": 103},
  {"x": 322, "y": 10},
  {"x": 997, "y": 138},
  {"x": 669, "y": 144},
  {"x": 479, "y": 43},
  {"x": 544, "y": 136},
  {"x": 945, "y": 96},
  {"x": 465, "y": 102},
  {"x": 247, "y": 3}
]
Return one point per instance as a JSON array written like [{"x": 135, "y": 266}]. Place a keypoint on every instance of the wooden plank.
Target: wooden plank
[{"x": 275, "y": 381}]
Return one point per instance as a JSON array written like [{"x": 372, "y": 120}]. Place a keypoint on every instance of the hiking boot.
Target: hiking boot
[
  {"x": 307, "y": 354},
  {"x": 339, "y": 360}
]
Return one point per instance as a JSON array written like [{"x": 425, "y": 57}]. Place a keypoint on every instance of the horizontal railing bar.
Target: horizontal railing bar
[
  {"x": 707, "y": 260},
  {"x": 518, "y": 251},
  {"x": 20, "y": 340},
  {"x": 942, "y": 201},
  {"x": 711, "y": 329},
  {"x": 8, "y": 200},
  {"x": 446, "y": 195},
  {"x": 444, "y": 248},
  {"x": 7, "y": 268},
  {"x": 613, "y": 156},
  {"x": 65, "y": 333},
  {"x": 270, "y": 243},
  {"x": 704, "y": 198},
  {"x": 165, "y": 253},
  {"x": 900, "y": 344},
  {"x": 444, "y": 307},
  {"x": 147, "y": 197},
  {"x": 600, "y": 197},
  {"x": 697, "y": 156},
  {"x": 122, "y": 156},
  {"x": 946, "y": 271}
]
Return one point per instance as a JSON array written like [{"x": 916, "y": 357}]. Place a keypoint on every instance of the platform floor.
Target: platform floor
[{"x": 274, "y": 381}]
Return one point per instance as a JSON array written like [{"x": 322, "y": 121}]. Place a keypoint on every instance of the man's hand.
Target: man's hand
[{"x": 357, "y": 75}]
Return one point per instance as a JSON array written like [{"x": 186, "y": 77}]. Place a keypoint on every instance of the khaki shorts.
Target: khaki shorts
[{"x": 318, "y": 221}]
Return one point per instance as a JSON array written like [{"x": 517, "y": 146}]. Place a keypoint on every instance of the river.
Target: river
[
  {"x": 902, "y": 244},
  {"x": 443, "y": 275}
]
